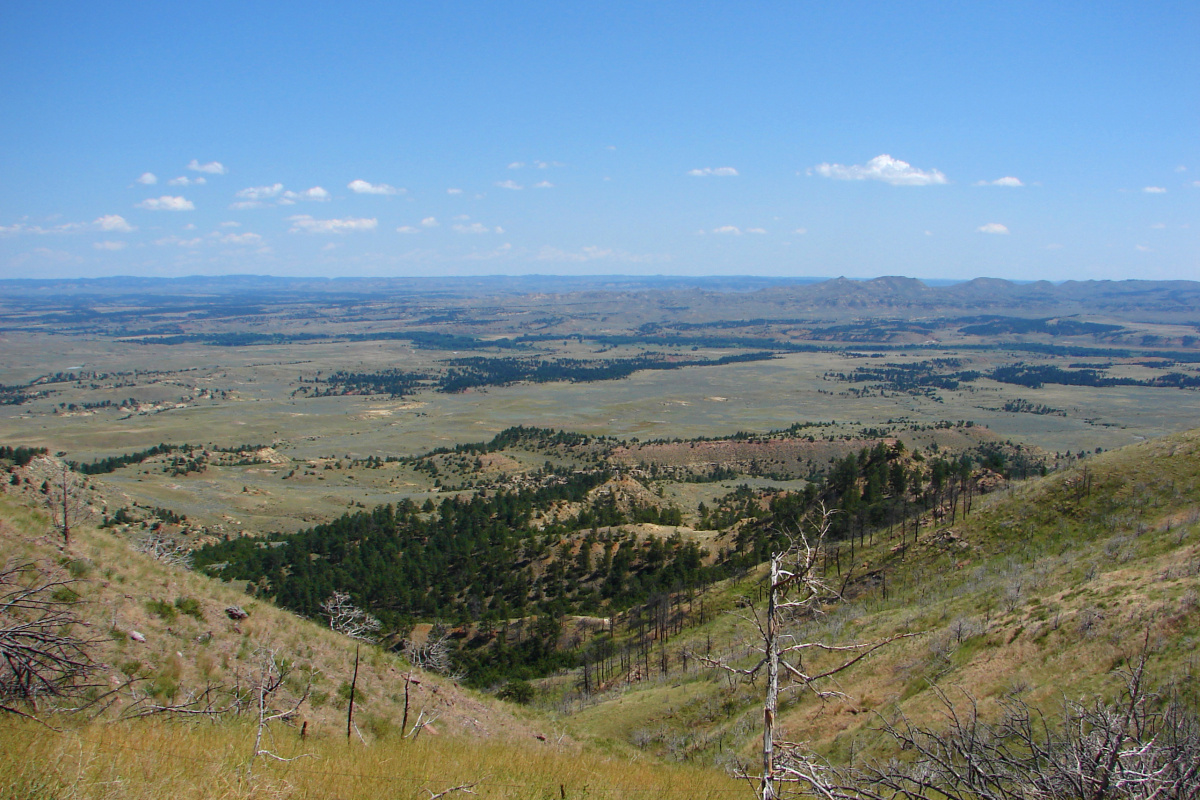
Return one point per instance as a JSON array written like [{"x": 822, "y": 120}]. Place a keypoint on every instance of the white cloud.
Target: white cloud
[
  {"x": 452, "y": 190},
  {"x": 429, "y": 222},
  {"x": 731, "y": 230},
  {"x": 184, "y": 180},
  {"x": 1006, "y": 181},
  {"x": 1141, "y": 248},
  {"x": 407, "y": 229},
  {"x": 231, "y": 224},
  {"x": 242, "y": 205},
  {"x": 474, "y": 227},
  {"x": 800, "y": 231},
  {"x": 113, "y": 222},
  {"x": 109, "y": 223},
  {"x": 175, "y": 240},
  {"x": 882, "y": 168},
  {"x": 461, "y": 217},
  {"x": 362, "y": 187},
  {"x": 303, "y": 223},
  {"x": 516, "y": 165},
  {"x": 1181, "y": 168},
  {"x": 1196, "y": 184},
  {"x": 756, "y": 230},
  {"x": 1154, "y": 190},
  {"x": 315, "y": 193},
  {"x": 240, "y": 238},
  {"x": 212, "y": 167},
  {"x": 109, "y": 245},
  {"x": 148, "y": 179},
  {"x": 1158, "y": 226},
  {"x": 509, "y": 185},
  {"x": 260, "y": 192},
  {"x": 166, "y": 203},
  {"x": 719, "y": 172},
  {"x": 992, "y": 227},
  {"x": 544, "y": 185}
]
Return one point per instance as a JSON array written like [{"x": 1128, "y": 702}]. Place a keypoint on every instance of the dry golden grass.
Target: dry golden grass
[{"x": 156, "y": 759}]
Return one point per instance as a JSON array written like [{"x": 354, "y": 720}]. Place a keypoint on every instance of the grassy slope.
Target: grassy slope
[
  {"x": 1044, "y": 589},
  {"x": 516, "y": 753}
]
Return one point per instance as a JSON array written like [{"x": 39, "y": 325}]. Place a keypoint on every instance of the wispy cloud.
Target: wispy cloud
[
  {"x": 184, "y": 180},
  {"x": 303, "y": 223},
  {"x": 259, "y": 196},
  {"x": 429, "y": 222},
  {"x": 109, "y": 223},
  {"x": 509, "y": 185},
  {"x": 212, "y": 167},
  {"x": 476, "y": 227},
  {"x": 516, "y": 165},
  {"x": 717, "y": 172},
  {"x": 363, "y": 187},
  {"x": 882, "y": 168},
  {"x": 260, "y": 192},
  {"x": 167, "y": 203},
  {"x": 1155, "y": 190},
  {"x": 452, "y": 190},
  {"x": 800, "y": 231},
  {"x": 316, "y": 193},
  {"x": 108, "y": 245},
  {"x": 407, "y": 229},
  {"x": 728, "y": 230},
  {"x": 239, "y": 238},
  {"x": 1006, "y": 181},
  {"x": 992, "y": 227},
  {"x": 167, "y": 241},
  {"x": 147, "y": 179},
  {"x": 543, "y": 185},
  {"x": 756, "y": 230}
]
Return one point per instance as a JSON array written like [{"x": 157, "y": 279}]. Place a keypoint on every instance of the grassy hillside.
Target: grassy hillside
[
  {"x": 161, "y": 635},
  {"x": 1041, "y": 591}
]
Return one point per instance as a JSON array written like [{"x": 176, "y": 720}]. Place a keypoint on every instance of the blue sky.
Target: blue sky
[{"x": 938, "y": 140}]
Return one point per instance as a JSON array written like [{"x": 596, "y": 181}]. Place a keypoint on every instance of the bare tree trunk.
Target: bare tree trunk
[
  {"x": 353, "y": 686},
  {"x": 771, "y": 702}
]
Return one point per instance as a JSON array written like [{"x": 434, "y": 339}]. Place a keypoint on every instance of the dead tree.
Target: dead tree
[
  {"x": 795, "y": 594},
  {"x": 163, "y": 548},
  {"x": 1145, "y": 745},
  {"x": 64, "y": 493},
  {"x": 41, "y": 655},
  {"x": 435, "y": 654},
  {"x": 273, "y": 672},
  {"x": 347, "y": 618}
]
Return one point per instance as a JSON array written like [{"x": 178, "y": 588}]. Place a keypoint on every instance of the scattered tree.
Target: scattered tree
[{"x": 64, "y": 493}]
